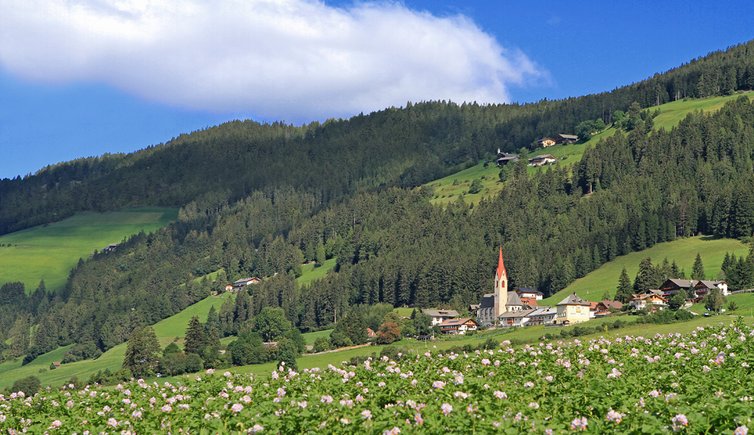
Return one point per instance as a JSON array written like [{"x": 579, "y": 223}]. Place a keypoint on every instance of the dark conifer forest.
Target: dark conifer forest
[{"x": 261, "y": 199}]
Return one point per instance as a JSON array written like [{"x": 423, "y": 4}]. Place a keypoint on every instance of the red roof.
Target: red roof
[{"x": 500, "y": 264}]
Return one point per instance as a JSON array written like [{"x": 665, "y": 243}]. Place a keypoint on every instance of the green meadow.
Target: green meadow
[
  {"x": 672, "y": 113},
  {"x": 167, "y": 330},
  {"x": 605, "y": 279},
  {"x": 309, "y": 273},
  {"x": 50, "y": 251}
]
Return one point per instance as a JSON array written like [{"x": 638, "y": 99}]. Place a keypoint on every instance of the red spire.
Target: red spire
[{"x": 500, "y": 264}]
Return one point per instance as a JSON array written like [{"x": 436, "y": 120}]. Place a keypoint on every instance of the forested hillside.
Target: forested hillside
[
  {"x": 403, "y": 147},
  {"x": 262, "y": 199}
]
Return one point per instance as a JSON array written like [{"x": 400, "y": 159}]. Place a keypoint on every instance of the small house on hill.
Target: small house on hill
[
  {"x": 505, "y": 158},
  {"x": 566, "y": 138},
  {"x": 606, "y": 307},
  {"x": 546, "y": 142},
  {"x": 652, "y": 301},
  {"x": 572, "y": 310},
  {"x": 439, "y": 316},
  {"x": 542, "y": 316},
  {"x": 514, "y": 319},
  {"x": 701, "y": 288},
  {"x": 243, "y": 282},
  {"x": 458, "y": 326},
  {"x": 674, "y": 285},
  {"x": 541, "y": 160}
]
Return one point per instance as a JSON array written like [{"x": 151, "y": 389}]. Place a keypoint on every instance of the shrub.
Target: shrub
[{"x": 30, "y": 385}]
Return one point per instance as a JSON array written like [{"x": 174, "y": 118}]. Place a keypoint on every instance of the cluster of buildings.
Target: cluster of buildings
[
  {"x": 561, "y": 138},
  {"x": 657, "y": 299},
  {"x": 242, "y": 283}
]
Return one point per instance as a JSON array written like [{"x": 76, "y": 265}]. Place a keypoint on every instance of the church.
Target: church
[{"x": 500, "y": 301}]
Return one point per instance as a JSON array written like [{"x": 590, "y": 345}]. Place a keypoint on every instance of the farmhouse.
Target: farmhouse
[
  {"x": 606, "y": 307},
  {"x": 541, "y": 160},
  {"x": 652, "y": 301},
  {"x": 701, "y": 288},
  {"x": 572, "y": 310},
  {"x": 493, "y": 305},
  {"x": 505, "y": 158},
  {"x": 566, "y": 138},
  {"x": 674, "y": 285},
  {"x": 458, "y": 326},
  {"x": 243, "y": 282},
  {"x": 546, "y": 142},
  {"x": 542, "y": 316},
  {"x": 515, "y": 318},
  {"x": 439, "y": 316}
]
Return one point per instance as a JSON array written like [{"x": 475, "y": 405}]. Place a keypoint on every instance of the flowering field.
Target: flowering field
[{"x": 695, "y": 383}]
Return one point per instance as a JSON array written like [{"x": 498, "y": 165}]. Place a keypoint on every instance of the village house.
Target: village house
[
  {"x": 607, "y": 307},
  {"x": 652, "y": 301},
  {"x": 701, "y": 288},
  {"x": 243, "y": 282},
  {"x": 515, "y": 318},
  {"x": 439, "y": 316},
  {"x": 572, "y": 310},
  {"x": 458, "y": 326},
  {"x": 493, "y": 305},
  {"x": 541, "y": 160},
  {"x": 524, "y": 292},
  {"x": 672, "y": 286},
  {"x": 542, "y": 316}
]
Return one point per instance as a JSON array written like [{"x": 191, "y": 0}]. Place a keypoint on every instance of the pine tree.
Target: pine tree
[
  {"x": 698, "y": 271},
  {"x": 196, "y": 337},
  {"x": 142, "y": 352},
  {"x": 646, "y": 278},
  {"x": 320, "y": 255},
  {"x": 623, "y": 292},
  {"x": 674, "y": 271}
]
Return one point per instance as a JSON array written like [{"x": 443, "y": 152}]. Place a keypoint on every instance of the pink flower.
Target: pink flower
[
  {"x": 614, "y": 417},
  {"x": 394, "y": 431},
  {"x": 500, "y": 395},
  {"x": 167, "y": 408},
  {"x": 579, "y": 424},
  {"x": 56, "y": 424},
  {"x": 326, "y": 399},
  {"x": 237, "y": 407},
  {"x": 136, "y": 414},
  {"x": 680, "y": 421},
  {"x": 438, "y": 385},
  {"x": 257, "y": 428},
  {"x": 418, "y": 419},
  {"x": 447, "y": 408},
  {"x": 741, "y": 430},
  {"x": 112, "y": 422},
  {"x": 366, "y": 414}
]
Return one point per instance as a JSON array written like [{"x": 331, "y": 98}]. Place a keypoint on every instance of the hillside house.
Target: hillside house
[
  {"x": 524, "y": 292},
  {"x": 513, "y": 319},
  {"x": 701, "y": 288},
  {"x": 546, "y": 142},
  {"x": 566, "y": 138},
  {"x": 458, "y": 326},
  {"x": 112, "y": 247},
  {"x": 439, "y": 316},
  {"x": 542, "y": 160},
  {"x": 572, "y": 310},
  {"x": 243, "y": 282},
  {"x": 229, "y": 287},
  {"x": 672, "y": 286},
  {"x": 503, "y": 159}
]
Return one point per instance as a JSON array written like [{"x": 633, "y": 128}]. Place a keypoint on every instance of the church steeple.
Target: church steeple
[{"x": 501, "y": 286}]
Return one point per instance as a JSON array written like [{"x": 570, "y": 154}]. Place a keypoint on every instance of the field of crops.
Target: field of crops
[{"x": 695, "y": 383}]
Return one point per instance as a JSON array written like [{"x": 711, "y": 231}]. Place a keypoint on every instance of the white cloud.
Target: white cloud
[{"x": 284, "y": 59}]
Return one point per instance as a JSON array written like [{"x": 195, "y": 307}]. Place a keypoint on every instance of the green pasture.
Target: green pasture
[
  {"x": 50, "y": 251},
  {"x": 672, "y": 113},
  {"x": 683, "y": 251},
  {"x": 309, "y": 273},
  {"x": 167, "y": 330}
]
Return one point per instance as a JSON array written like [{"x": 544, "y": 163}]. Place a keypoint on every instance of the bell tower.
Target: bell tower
[{"x": 501, "y": 287}]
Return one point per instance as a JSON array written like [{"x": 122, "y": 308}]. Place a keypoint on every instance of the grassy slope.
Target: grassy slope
[
  {"x": 454, "y": 186},
  {"x": 50, "y": 251},
  {"x": 166, "y": 330},
  {"x": 309, "y": 273},
  {"x": 683, "y": 251}
]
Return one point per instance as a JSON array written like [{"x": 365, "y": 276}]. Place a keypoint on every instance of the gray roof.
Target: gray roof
[
  {"x": 568, "y": 136},
  {"x": 547, "y": 311},
  {"x": 708, "y": 284},
  {"x": 513, "y": 299},
  {"x": 440, "y": 313},
  {"x": 488, "y": 301},
  {"x": 572, "y": 299},
  {"x": 516, "y": 314},
  {"x": 682, "y": 283}
]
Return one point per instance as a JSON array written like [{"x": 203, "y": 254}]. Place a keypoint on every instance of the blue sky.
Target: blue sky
[{"x": 131, "y": 78}]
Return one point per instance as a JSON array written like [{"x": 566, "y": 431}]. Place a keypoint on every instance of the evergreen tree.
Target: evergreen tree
[
  {"x": 646, "y": 277},
  {"x": 677, "y": 300},
  {"x": 714, "y": 301},
  {"x": 320, "y": 254},
  {"x": 142, "y": 352},
  {"x": 698, "y": 270},
  {"x": 196, "y": 337},
  {"x": 271, "y": 324},
  {"x": 623, "y": 292}
]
